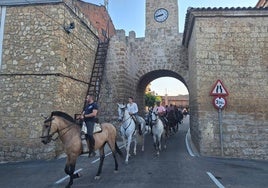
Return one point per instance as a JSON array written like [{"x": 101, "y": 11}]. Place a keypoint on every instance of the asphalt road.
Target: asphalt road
[{"x": 174, "y": 167}]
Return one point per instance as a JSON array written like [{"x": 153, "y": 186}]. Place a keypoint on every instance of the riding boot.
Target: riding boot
[{"x": 91, "y": 140}]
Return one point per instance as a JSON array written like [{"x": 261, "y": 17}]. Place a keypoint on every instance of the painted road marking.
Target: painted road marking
[
  {"x": 215, "y": 180},
  {"x": 64, "y": 178}
]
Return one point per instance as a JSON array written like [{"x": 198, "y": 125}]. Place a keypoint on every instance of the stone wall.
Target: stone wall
[
  {"x": 43, "y": 69},
  {"x": 230, "y": 46}
]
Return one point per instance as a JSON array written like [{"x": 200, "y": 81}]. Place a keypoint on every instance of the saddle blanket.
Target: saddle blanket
[{"x": 97, "y": 128}]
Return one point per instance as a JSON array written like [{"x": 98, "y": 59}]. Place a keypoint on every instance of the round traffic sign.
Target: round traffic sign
[{"x": 219, "y": 102}]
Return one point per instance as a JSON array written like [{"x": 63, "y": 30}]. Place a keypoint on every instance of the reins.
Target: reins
[
  {"x": 155, "y": 121},
  {"x": 125, "y": 121},
  {"x": 52, "y": 134}
]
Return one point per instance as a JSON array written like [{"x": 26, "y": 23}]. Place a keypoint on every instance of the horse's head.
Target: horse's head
[
  {"x": 154, "y": 115},
  {"x": 121, "y": 111},
  {"x": 48, "y": 130},
  {"x": 60, "y": 123}
]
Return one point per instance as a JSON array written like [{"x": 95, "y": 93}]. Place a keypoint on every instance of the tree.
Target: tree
[
  {"x": 150, "y": 99},
  {"x": 158, "y": 99}
]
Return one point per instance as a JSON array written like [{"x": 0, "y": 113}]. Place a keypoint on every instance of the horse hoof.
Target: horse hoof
[
  {"x": 97, "y": 177},
  {"x": 126, "y": 162},
  {"x": 116, "y": 171},
  {"x": 77, "y": 175}
]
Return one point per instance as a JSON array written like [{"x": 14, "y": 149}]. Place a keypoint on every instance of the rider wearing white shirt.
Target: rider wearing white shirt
[{"x": 132, "y": 108}]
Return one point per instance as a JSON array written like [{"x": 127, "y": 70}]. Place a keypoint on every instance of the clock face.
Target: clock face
[{"x": 161, "y": 15}]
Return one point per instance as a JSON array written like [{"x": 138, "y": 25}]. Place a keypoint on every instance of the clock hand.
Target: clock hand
[{"x": 159, "y": 15}]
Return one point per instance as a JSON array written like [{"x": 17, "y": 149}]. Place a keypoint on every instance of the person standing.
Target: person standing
[
  {"x": 89, "y": 115},
  {"x": 133, "y": 110}
]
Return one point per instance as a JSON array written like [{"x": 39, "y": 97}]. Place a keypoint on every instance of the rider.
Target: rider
[
  {"x": 161, "y": 111},
  {"x": 132, "y": 108},
  {"x": 89, "y": 115}
]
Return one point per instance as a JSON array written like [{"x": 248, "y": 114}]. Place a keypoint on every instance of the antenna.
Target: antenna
[{"x": 106, "y": 2}]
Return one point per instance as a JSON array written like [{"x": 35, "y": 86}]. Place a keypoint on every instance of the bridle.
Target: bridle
[
  {"x": 49, "y": 136},
  {"x": 123, "y": 121},
  {"x": 154, "y": 121}
]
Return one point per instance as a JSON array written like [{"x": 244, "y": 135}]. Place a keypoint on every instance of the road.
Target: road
[{"x": 174, "y": 167}]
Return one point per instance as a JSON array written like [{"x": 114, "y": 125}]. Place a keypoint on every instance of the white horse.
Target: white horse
[
  {"x": 158, "y": 131},
  {"x": 128, "y": 132}
]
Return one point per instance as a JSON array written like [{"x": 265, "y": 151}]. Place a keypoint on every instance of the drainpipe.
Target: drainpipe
[{"x": 2, "y": 24}]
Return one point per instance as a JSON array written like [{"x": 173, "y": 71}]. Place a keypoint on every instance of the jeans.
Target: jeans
[{"x": 90, "y": 128}]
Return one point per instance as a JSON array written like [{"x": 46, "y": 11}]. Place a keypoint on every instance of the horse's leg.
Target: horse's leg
[
  {"x": 176, "y": 127},
  {"x": 155, "y": 142},
  {"x": 143, "y": 141},
  {"x": 143, "y": 136},
  {"x": 124, "y": 142},
  {"x": 159, "y": 142},
  {"x": 164, "y": 138},
  {"x": 128, "y": 148},
  {"x": 102, "y": 156},
  {"x": 135, "y": 146},
  {"x": 69, "y": 169},
  {"x": 114, "y": 148}
]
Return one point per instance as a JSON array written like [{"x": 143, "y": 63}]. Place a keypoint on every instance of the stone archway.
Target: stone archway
[{"x": 149, "y": 77}]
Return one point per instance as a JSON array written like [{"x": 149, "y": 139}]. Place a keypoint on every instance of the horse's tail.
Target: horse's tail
[{"x": 117, "y": 149}]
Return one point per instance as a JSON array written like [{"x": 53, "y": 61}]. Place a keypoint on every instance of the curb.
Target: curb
[{"x": 190, "y": 145}]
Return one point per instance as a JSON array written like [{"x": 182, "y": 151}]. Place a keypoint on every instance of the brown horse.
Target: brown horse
[{"x": 69, "y": 133}]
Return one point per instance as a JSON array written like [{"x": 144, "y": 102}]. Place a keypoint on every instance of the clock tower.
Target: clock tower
[{"x": 161, "y": 18}]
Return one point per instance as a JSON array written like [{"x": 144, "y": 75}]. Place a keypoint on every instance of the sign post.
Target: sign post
[
  {"x": 220, "y": 124},
  {"x": 219, "y": 102}
]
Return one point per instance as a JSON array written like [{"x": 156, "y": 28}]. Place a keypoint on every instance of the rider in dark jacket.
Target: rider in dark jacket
[{"x": 89, "y": 115}]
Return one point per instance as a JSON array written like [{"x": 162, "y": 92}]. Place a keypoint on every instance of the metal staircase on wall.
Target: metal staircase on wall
[{"x": 98, "y": 69}]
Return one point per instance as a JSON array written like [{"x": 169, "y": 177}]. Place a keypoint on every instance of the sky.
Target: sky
[{"x": 130, "y": 16}]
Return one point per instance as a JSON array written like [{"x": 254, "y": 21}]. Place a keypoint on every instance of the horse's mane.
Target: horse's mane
[{"x": 63, "y": 115}]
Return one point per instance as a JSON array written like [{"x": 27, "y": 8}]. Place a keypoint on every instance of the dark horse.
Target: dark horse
[
  {"x": 69, "y": 133},
  {"x": 173, "y": 121}
]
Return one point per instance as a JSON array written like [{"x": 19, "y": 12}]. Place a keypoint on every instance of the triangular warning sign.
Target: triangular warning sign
[{"x": 219, "y": 89}]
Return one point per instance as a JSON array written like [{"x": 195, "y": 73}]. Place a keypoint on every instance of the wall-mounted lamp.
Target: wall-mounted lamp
[{"x": 69, "y": 28}]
